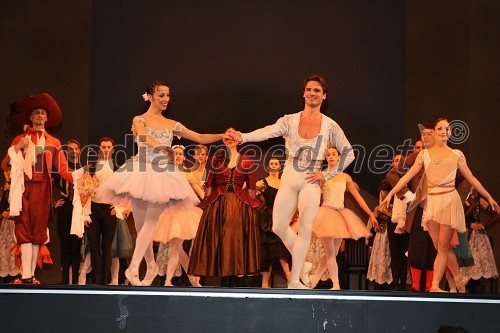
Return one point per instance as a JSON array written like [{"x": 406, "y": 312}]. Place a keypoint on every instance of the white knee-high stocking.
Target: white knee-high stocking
[
  {"x": 26, "y": 255},
  {"x": 34, "y": 258}
]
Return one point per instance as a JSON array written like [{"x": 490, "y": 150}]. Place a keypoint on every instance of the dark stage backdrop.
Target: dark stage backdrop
[
  {"x": 45, "y": 47},
  {"x": 241, "y": 64}
]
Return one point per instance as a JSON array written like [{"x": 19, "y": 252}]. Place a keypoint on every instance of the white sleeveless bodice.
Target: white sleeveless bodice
[
  {"x": 163, "y": 136},
  {"x": 333, "y": 192}
]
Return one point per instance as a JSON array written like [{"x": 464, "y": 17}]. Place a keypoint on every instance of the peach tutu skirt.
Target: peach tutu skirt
[
  {"x": 342, "y": 223},
  {"x": 181, "y": 225},
  {"x": 445, "y": 209},
  {"x": 153, "y": 183}
]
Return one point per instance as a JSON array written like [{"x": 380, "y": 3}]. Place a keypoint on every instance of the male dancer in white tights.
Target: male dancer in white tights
[{"x": 308, "y": 135}]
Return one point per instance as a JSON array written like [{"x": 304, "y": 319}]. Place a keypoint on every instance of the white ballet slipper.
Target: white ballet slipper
[
  {"x": 150, "y": 274},
  {"x": 296, "y": 285},
  {"x": 133, "y": 278}
]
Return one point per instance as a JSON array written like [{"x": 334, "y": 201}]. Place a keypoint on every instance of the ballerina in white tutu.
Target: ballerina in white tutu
[
  {"x": 150, "y": 182},
  {"x": 335, "y": 222},
  {"x": 443, "y": 213}
]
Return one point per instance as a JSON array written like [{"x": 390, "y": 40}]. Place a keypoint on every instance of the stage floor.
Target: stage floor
[{"x": 48, "y": 308}]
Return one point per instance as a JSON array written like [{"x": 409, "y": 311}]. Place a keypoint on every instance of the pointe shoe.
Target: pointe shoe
[
  {"x": 304, "y": 274},
  {"x": 168, "y": 284},
  {"x": 296, "y": 285},
  {"x": 150, "y": 275},
  {"x": 461, "y": 282},
  {"x": 194, "y": 280},
  {"x": 132, "y": 278}
]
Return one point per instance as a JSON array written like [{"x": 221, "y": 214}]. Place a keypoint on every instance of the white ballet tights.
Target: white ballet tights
[
  {"x": 29, "y": 256},
  {"x": 295, "y": 192},
  {"x": 146, "y": 215},
  {"x": 332, "y": 246}
]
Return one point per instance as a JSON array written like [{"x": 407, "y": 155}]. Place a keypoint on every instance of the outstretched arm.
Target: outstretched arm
[
  {"x": 200, "y": 138},
  {"x": 279, "y": 128},
  {"x": 414, "y": 170}
]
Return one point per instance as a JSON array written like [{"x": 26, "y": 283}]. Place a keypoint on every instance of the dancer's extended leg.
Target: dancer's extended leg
[
  {"x": 332, "y": 246},
  {"x": 145, "y": 216}
]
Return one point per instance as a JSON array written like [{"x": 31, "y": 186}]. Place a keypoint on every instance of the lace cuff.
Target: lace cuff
[{"x": 139, "y": 119}]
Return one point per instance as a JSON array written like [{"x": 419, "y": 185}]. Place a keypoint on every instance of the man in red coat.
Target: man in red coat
[{"x": 33, "y": 155}]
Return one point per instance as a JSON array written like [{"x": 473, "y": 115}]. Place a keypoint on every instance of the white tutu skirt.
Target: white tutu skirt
[
  {"x": 445, "y": 209},
  {"x": 379, "y": 267},
  {"x": 181, "y": 225},
  {"x": 153, "y": 183},
  {"x": 335, "y": 223},
  {"x": 484, "y": 261}
]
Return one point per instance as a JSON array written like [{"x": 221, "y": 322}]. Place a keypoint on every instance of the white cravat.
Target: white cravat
[{"x": 31, "y": 153}]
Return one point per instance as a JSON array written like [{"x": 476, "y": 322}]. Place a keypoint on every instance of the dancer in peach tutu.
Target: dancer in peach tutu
[
  {"x": 444, "y": 212},
  {"x": 150, "y": 181},
  {"x": 173, "y": 229},
  {"x": 334, "y": 222}
]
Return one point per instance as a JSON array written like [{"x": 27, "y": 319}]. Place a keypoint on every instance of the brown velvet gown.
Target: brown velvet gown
[{"x": 227, "y": 242}]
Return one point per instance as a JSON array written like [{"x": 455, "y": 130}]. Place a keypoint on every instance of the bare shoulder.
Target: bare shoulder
[
  {"x": 169, "y": 123},
  {"x": 348, "y": 178}
]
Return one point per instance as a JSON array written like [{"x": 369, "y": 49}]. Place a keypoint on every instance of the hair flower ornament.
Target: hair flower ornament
[{"x": 145, "y": 97}]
